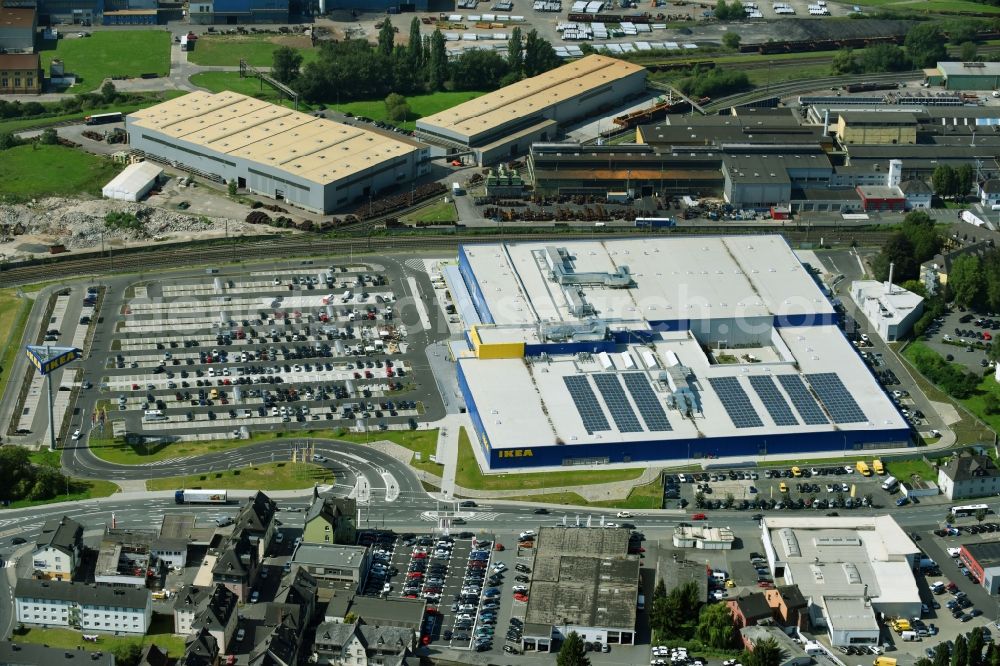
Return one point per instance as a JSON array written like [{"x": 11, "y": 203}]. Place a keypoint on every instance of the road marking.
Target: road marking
[{"x": 425, "y": 321}]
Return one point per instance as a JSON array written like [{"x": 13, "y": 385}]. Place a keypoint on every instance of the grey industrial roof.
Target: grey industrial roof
[
  {"x": 986, "y": 553},
  {"x": 915, "y": 186},
  {"x": 849, "y": 613},
  {"x": 29, "y": 654},
  {"x": 62, "y": 533},
  {"x": 388, "y": 611},
  {"x": 314, "y": 149},
  {"x": 583, "y": 577},
  {"x": 880, "y": 192},
  {"x": 81, "y": 593},
  {"x": 977, "y": 68},
  {"x": 331, "y": 555},
  {"x": 861, "y": 117},
  {"x": 676, "y": 572}
]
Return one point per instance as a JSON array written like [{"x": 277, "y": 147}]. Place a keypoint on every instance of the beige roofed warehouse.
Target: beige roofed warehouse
[
  {"x": 504, "y": 123},
  {"x": 314, "y": 163}
]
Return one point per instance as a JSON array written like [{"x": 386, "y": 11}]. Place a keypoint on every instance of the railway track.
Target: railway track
[{"x": 163, "y": 257}]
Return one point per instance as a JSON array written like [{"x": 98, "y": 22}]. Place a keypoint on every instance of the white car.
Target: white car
[
  {"x": 526, "y": 533},
  {"x": 519, "y": 588},
  {"x": 76, "y": 435},
  {"x": 623, "y": 514},
  {"x": 954, "y": 552}
]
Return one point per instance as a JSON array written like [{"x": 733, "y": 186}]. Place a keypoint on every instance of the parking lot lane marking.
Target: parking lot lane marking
[{"x": 425, "y": 321}]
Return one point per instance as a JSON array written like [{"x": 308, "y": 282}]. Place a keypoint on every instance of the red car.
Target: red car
[
  {"x": 699, "y": 516},
  {"x": 766, "y": 584},
  {"x": 521, "y": 597},
  {"x": 456, "y": 163},
  {"x": 420, "y": 556}
]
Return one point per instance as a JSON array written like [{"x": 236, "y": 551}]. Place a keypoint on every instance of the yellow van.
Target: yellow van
[
  {"x": 783, "y": 487},
  {"x": 796, "y": 472},
  {"x": 214, "y": 394}
]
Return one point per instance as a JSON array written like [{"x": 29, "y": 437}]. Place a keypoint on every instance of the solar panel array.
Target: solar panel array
[
  {"x": 775, "y": 403},
  {"x": 645, "y": 400},
  {"x": 834, "y": 396},
  {"x": 803, "y": 400},
  {"x": 586, "y": 404},
  {"x": 736, "y": 402},
  {"x": 614, "y": 397}
]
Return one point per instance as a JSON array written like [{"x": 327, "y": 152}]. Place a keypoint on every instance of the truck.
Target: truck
[
  {"x": 878, "y": 467},
  {"x": 884, "y": 661},
  {"x": 456, "y": 189},
  {"x": 862, "y": 468},
  {"x": 200, "y": 497}
]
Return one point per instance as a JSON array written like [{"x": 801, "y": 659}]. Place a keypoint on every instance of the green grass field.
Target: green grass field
[
  {"x": 257, "y": 50},
  {"x": 904, "y": 469},
  {"x": 79, "y": 489},
  {"x": 31, "y": 123},
  {"x": 219, "y": 81},
  {"x": 647, "y": 496},
  {"x": 161, "y": 628},
  {"x": 441, "y": 211},
  {"x": 128, "y": 454},
  {"x": 34, "y": 171},
  {"x": 468, "y": 474},
  {"x": 268, "y": 476},
  {"x": 420, "y": 106},
  {"x": 122, "y": 53},
  {"x": 13, "y": 317}
]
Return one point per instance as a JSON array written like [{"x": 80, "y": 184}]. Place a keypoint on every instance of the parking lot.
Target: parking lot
[
  {"x": 964, "y": 337},
  {"x": 221, "y": 356}
]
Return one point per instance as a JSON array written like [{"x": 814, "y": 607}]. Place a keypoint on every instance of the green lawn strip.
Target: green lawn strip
[
  {"x": 968, "y": 430},
  {"x": 266, "y": 476},
  {"x": 468, "y": 474},
  {"x": 13, "y": 318},
  {"x": 35, "y": 170},
  {"x": 762, "y": 77},
  {"x": 905, "y": 469},
  {"x": 646, "y": 496},
  {"x": 442, "y": 211},
  {"x": 161, "y": 633},
  {"x": 120, "y": 453},
  {"x": 113, "y": 53},
  {"x": 250, "y": 86},
  {"x": 423, "y": 442},
  {"x": 420, "y": 106},
  {"x": 23, "y": 124},
  {"x": 79, "y": 489},
  {"x": 257, "y": 50}
]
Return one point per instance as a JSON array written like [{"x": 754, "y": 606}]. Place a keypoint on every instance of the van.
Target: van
[
  {"x": 783, "y": 487},
  {"x": 153, "y": 415},
  {"x": 890, "y": 484},
  {"x": 937, "y": 588},
  {"x": 796, "y": 472},
  {"x": 719, "y": 575},
  {"x": 910, "y": 636},
  {"x": 641, "y": 603},
  {"x": 884, "y": 661}
]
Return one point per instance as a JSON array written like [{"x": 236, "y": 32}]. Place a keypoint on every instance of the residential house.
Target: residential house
[
  {"x": 989, "y": 193},
  {"x": 237, "y": 564},
  {"x": 20, "y": 74},
  {"x": 792, "y": 654},
  {"x": 918, "y": 194},
  {"x": 788, "y": 605},
  {"x": 154, "y": 656},
  {"x": 969, "y": 475},
  {"x": 298, "y": 588},
  {"x": 256, "y": 520},
  {"x": 749, "y": 609},
  {"x": 331, "y": 520},
  {"x": 58, "y": 549},
  {"x": 89, "y": 608},
  {"x": 200, "y": 649},
  {"x": 188, "y": 603},
  {"x": 276, "y": 646},
  {"x": 391, "y": 611},
  {"x": 357, "y": 644},
  {"x": 218, "y": 615}
]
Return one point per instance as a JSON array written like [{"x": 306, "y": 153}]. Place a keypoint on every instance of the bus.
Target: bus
[
  {"x": 102, "y": 118},
  {"x": 968, "y": 509},
  {"x": 655, "y": 222}
]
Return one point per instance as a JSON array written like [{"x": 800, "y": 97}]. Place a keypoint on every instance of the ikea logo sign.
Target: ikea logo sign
[{"x": 516, "y": 453}]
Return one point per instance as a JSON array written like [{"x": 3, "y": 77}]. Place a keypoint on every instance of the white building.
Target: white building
[
  {"x": 890, "y": 309},
  {"x": 705, "y": 538},
  {"x": 989, "y": 193},
  {"x": 850, "y": 570},
  {"x": 58, "y": 549},
  {"x": 134, "y": 182},
  {"x": 89, "y": 608},
  {"x": 969, "y": 475}
]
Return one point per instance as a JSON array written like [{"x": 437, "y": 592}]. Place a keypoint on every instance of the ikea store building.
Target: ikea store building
[{"x": 658, "y": 350}]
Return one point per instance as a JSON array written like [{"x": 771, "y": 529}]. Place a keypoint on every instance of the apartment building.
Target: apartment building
[
  {"x": 89, "y": 608},
  {"x": 58, "y": 549}
]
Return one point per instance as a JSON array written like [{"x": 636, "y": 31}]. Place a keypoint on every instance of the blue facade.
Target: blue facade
[
  {"x": 812, "y": 319},
  {"x": 568, "y": 348},
  {"x": 469, "y": 275}
]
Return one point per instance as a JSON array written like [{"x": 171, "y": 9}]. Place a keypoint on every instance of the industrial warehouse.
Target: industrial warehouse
[
  {"x": 505, "y": 123},
  {"x": 658, "y": 350},
  {"x": 313, "y": 163}
]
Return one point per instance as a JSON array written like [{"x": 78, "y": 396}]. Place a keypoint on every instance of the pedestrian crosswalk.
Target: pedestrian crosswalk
[
  {"x": 416, "y": 265},
  {"x": 167, "y": 461},
  {"x": 434, "y": 516}
]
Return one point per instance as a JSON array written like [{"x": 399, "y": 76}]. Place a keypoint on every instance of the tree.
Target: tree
[
  {"x": 943, "y": 180},
  {"x": 716, "y": 628},
  {"x": 968, "y": 51},
  {"x": 572, "y": 652},
  {"x": 942, "y": 657},
  {"x": 386, "y": 38},
  {"x": 844, "y": 62},
  {"x": 964, "y": 177},
  {"x": 976, "y": 644},
  {"x": 965, "y": 280},
  {"x": 437, "y": 64},
  {"x": 285, "y": 64},
  {"x": 539, "y": 56},
  {"x": 108, "y": 92},
  {"x": 925, "y": 44},
  {"x": 960, "y": 653},
  {"x": 396, "y": 107},
  {"x": 728, "y": 501},
  {"x": 478, "y": 70},
  {"x": 414, "y": 48},
  {"x": 48, "y": 137},
  {"x": 897, "y": 251},
  {"x": 766, "y": 652},
  {"x": 127, "y": 654},
  {"x": 981, "y": 515},
  {"x": 673, "y": 614},
  {"x": 884, "y": 57},
  {"x": 731, "y": 40},
  {"x": 915, "y": 286},
  {"x": 350, "y": 618},
  {"x": 8, "y": 140},
  {"x": 231, "y": 187},
  {"x": 515, "y": 53}
]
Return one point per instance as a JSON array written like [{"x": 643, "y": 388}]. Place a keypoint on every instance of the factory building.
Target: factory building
[
  {"x": 629, "y": 351},
  {"x": 18, "y": 26},
  {"x": 983, "y": 560},
  {"x": 891, "y": 310},
  {"x": 503, "y": 124},
  {"x": 966, "y": 75},
  {"x": 234, "y": 12},
  {"x": 20, "y": 74},
  {"x": 313, "y": 163},
  {"x": 876, "y": 128},
  {"x": 70, "y": 12},
  {"x": 391, "y": 6},
  {"x": 850, "y": 570}
]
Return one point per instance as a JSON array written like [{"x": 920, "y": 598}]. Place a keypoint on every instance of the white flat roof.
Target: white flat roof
[
  {"x": 898, "y": 301},
  {"x": 524, "y": 403},
  {"x": 134, "y": 178},
  {"x": 675, "y": 278}
]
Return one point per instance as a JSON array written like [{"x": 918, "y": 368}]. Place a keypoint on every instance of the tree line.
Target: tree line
[
  {"x": 923, "y": 46},
  {"x": 356, "y": 70},
  {"x": 21, "y": 479},
  {"x": 967, "y": 651},
  {"x": 915, "y": 242}
]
